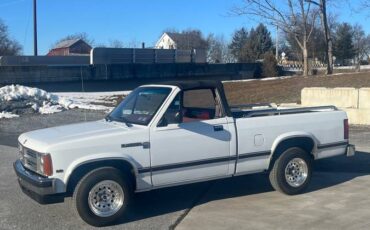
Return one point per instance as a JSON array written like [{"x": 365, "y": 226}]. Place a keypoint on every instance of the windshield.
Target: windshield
[{"x": 140, "y": 105}]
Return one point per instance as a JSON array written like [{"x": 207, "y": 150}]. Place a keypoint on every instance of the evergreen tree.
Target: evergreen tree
[
  {"x": 343, "y": 44},
  {"x": 258, "y": 43},
  {"x": 238, "y": 42}
]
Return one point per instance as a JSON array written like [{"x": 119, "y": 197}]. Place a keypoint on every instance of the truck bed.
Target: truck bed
[{"x": 259, "y": 130}]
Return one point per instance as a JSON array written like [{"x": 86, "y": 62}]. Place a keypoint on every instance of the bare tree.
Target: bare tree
[
  {"x": 367, "y": 47},
  {"x": 295, "y": 17},
  {"x": 328, "y": 39},
  {"x": 133, "y": 43},
  {"x": 365, "y": 3},
  {"x": 116, "y": 43},
  {"x": 218, "y": 50},
  {"x": 361, "y": 44},
  {"x": 8, "y": 46}
]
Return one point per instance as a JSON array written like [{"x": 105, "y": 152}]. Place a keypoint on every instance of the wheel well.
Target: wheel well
[
  {"x": 83, "y": 169},
  {"x": 306, "y": 143}
]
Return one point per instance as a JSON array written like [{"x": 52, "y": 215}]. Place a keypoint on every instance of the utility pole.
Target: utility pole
[
  {"x": 277, "y": 44},
  {"x": 34, "y": 29}
]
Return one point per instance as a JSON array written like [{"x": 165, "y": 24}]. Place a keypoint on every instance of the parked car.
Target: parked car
[{"x": 172, "y": 134}]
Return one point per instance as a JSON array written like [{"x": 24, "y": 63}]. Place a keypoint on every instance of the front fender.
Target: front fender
[{"x": 99, "y": 157}]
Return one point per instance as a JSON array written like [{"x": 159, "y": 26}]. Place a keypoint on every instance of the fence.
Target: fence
[{"x": 128, "y": 55}]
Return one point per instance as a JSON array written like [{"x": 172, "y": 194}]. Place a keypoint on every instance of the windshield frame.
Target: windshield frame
[{"x": 108, "y": 117}]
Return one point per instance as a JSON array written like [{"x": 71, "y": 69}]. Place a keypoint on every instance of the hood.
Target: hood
[{"x": 41, "y": 139}]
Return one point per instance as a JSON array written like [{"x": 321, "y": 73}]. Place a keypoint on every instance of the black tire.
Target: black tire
[
  {"x": 277, "y": 174},
  {"x": 80, "y": 199}
]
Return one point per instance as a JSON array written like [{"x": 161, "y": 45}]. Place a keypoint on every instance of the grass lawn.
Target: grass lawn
[{"x": 288, "y": 90}]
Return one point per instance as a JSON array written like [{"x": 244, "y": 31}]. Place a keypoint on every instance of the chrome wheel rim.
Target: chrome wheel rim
[
  {"x": 106, "y": 198},
  {"x": 296, "y": 172}
]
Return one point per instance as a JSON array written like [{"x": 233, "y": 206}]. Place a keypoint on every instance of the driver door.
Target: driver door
[{"x": 192, "y": 141}]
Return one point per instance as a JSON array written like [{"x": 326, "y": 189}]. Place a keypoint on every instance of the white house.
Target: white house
[
  {"x": 181, "y": 41},
  {"x": 167, "y": 41}
]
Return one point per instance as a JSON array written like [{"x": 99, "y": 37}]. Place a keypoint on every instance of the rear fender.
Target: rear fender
[{"x": 292, "y": 135}]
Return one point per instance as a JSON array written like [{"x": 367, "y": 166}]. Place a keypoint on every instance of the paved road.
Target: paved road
[
  {"x": 333, "y": 201},
  {"x": 153, "y": 210},
  {"x": 338, "y": 198},
  {"x": 183, "y": 206}
]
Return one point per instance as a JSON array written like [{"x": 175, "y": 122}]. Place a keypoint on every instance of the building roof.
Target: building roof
[
  {"x": 177, "y": 37},
  {"x": 185, "y": 38},
  {"x": 67, "y": 43}
]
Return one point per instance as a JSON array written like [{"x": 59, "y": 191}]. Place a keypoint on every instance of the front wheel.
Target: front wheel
[
  {"x": 102, "y": 196},
  {"x": 292, "y": 171}
]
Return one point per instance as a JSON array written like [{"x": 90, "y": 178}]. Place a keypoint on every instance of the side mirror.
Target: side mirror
[{"x": 163, "y": 122}]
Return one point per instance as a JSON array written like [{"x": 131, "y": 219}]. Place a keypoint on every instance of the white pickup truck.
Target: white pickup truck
[{"x": 172, "y": 134}]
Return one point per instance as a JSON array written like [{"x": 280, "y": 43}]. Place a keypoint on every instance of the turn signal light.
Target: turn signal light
[{"x": 47, "y": 165}]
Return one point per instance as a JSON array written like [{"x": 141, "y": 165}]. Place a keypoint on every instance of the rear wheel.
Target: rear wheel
[
  {"x": 292, "y": 171},
  {"x": 102, "y": 196}
]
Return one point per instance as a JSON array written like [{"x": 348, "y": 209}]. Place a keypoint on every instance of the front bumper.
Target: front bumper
[
  {"x": 41, "y": 189},
  {"x": 350, "y": 150}
]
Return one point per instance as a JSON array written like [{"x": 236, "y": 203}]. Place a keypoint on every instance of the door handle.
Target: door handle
[{"x": 218, "y": 128}]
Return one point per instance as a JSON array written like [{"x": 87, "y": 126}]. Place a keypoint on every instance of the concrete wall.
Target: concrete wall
[
  {"x": 40, "y": 74},
  {"x": 43, "y": 60},
  {"x": 356, "y": 102},
  {"x": 341, "y": 97},
  {"x": 364, "y": 98}
]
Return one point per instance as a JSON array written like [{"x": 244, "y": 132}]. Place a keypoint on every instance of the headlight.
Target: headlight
[
  {"x": 35, "y": 161},
  {"x": 20, "y": 148},
  {"x": 20, "y": 151}
]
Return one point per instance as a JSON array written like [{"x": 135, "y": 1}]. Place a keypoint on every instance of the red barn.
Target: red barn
[{"x": 70, "y": 48}]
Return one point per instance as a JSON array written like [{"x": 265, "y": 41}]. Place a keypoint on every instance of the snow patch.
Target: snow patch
[
  {"x": 20, "y": 98},
  {"x": 4, "y": 114},
  {"x": 262, "y": 79}
]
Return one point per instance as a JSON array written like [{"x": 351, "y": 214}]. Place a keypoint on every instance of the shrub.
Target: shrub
[{"x": 269, "y": 66}]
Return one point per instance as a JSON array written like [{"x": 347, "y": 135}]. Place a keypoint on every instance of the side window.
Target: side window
[
  {"x": 201, "y": 104},
  {"x": 173, "y": 113},
  {"x": 199, "y": 98},
  {"x": 197, "y": 105}
]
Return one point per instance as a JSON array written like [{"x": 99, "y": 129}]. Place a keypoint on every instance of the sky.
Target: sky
[{"x": 134, "y": 20}]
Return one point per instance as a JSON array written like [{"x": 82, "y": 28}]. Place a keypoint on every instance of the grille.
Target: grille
[{"x": 29, "y": 158}]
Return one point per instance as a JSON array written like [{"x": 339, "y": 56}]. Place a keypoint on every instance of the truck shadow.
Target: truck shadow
[{"x": 327, "y": 173}]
